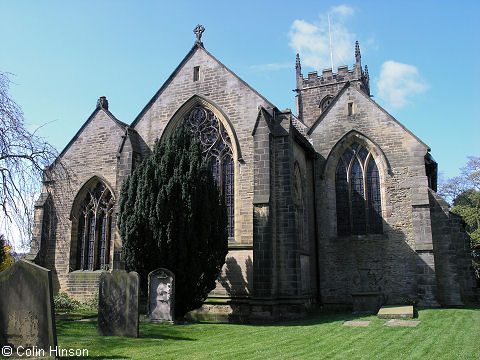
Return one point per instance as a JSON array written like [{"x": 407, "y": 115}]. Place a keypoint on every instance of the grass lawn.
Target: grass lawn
[{"x": 442, "y": 334}]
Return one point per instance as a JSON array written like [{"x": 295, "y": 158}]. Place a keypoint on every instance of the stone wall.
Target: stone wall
[
  {"x": 396, "y": 268},
  {"x": 91, "y": 154},
  {"x": 453, "y": 261},
  {"x": 236, "y": 105}
]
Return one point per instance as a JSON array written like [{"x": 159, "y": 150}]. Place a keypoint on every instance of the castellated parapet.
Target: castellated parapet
[{"x": 315, "y": 92}]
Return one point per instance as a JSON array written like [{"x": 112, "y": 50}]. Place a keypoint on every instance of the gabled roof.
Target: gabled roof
[
  {"x": 187, "y": 57},
  {"x": 340, "y": 93},
  {"x": 121, "y": 124},
  {"x": 265, "y": 116}
]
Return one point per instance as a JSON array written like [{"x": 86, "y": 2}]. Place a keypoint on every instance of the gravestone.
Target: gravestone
[
  {"x": 118, "y": 304},
  {"x": 27, "y": 317},
  {"x": 161, "y": 296}
]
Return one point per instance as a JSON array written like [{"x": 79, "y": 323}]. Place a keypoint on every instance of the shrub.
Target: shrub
[
  {"x": 65, "y": 302},
  {"x": 5, "y": 258},
  {"x": 171, "y": 216}
]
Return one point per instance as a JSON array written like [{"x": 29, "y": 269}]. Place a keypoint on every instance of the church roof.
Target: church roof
[
  {"x": 102, "y": 104},
  {"x": 340, "y": 93},
  {"x": 196, "y": 47}
]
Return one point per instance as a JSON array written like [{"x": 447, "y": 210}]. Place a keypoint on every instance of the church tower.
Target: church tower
[{"x": 315, "y": 93}]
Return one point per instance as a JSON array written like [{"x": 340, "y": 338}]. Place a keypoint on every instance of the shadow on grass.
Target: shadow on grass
[
  {"x": 93, "y": 357},
  {"x": 164, "y": 337},
  {"x": 316, "y": 317},
  {"x": 162, "y": 332},
  {"x": 68, "y": 327}
]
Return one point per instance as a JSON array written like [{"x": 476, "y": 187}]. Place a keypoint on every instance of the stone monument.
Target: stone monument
[
  {"x": 118, "y": 304},
  {"x": 27, "y": 317},
  {"x": 161, "y": 296}
]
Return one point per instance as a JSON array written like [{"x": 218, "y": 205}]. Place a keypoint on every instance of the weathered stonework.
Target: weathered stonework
[
  {"x": 118, "y": 304},
  {"x": 27, "y": 317},
  {"x": 161, "y": 296},
  {"x": 285, "y": 255}
]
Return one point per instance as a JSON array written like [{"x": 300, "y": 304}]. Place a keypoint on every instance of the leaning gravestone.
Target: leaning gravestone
[
  {"x": 27, "y": 317},
  {"x": 161, "y": 296},
  {"x": 118, "y": 304}
]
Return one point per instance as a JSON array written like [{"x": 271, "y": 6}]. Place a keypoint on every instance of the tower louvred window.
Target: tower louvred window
[
  {"x": 357, "y": 190},
  {"x": 217, "y": 150}
]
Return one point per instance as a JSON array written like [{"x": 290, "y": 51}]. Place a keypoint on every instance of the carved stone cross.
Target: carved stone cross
[{"x": 199, "y": 31}]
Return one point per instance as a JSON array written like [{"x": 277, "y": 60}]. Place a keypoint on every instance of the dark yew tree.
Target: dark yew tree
[{"x": 172, "y": 216}]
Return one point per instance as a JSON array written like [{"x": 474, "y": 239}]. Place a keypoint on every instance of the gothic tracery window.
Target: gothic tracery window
[
  {"x": 357, "y": 189},
  {"x": 217, "y": 150},
  {"x": 94, "y": 228}
]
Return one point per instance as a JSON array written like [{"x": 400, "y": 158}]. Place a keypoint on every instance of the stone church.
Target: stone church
[{"x": 326, "y": 206}]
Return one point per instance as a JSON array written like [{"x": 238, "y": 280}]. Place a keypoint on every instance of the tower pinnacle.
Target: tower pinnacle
[
  {"x": 297, "y": 64},
  {"x": 357, "y": 52}
]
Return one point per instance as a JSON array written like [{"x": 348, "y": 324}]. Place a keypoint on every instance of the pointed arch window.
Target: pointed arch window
[
  {"x": 94, "y": 228},
  {"x": 357, "y": 190},
  {"x": 299, "y": 206},
  {"x": 217, "y": 150}
]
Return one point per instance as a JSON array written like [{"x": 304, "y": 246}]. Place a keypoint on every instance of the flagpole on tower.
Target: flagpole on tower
[{"x": 330, "y": 36}]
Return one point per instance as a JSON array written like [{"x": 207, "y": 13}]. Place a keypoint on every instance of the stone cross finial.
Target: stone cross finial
[{"x": 198, "y": 31}]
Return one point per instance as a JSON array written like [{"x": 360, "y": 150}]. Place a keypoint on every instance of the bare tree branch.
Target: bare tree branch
[{"x": 23, "y": 157}]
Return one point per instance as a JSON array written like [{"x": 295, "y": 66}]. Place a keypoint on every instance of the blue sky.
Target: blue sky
[{"x": 422, "y": 57}]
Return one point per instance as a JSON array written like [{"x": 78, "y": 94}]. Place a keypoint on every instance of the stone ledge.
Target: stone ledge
[{"x": 395, "y": 312}]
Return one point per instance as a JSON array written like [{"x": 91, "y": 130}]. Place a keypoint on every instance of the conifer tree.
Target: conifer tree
[{"x": 171, "y": 216}]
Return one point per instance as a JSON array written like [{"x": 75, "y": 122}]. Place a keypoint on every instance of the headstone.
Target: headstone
[
  {"x": 118, "y": 304},
  {"x": 161, "y": 296},
  {"x": 27, "y": 317}
]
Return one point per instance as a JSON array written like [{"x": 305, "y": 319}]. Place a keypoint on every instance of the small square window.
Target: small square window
[
  {"x": 350, "y": 108},
  {"x": 196, "y": 73}
]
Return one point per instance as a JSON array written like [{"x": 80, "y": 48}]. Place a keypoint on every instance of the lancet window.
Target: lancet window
[
  {"x": 299, "y": 206},
  {"x": 217, "y": 150},
  {"x": 357, "y": 189},
  {"x": 94, "y": 228}
]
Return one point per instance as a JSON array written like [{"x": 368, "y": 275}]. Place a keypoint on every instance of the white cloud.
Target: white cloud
[
  {"x": 399, "y": 82},
  {"x": 311, "y": 40},
  {"x": 342, "y": 11}
]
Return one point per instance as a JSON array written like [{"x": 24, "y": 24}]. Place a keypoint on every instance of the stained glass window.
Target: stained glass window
[
  {"x": 374, "y": 203},
  {"x": 93, "y": 234},
  {"x": 343, "y": 208},
  {"x": 357, "y": 198},
  {"x": 357, "y": 189},
  {"x": 217, "y": 149}
]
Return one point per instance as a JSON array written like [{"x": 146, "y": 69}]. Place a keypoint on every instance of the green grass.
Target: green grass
[{"x": 442, "y": 334}]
